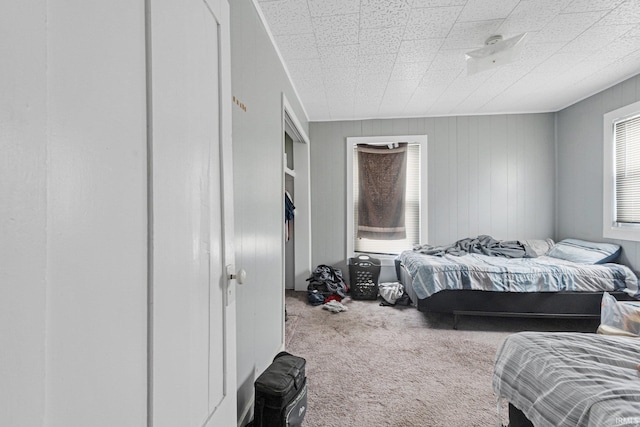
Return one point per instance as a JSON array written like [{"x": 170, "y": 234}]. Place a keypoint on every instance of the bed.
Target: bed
[
  {"x": 569, "y": 379},
  {"x": 564, "y": 279}
]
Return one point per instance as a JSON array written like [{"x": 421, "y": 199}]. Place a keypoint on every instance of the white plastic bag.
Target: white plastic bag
[
  {"x": 390, "y": 291},
  {"x": 619, "y": 317}
]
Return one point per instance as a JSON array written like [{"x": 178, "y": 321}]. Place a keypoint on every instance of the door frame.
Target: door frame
[{"x": 301, "y": 198}]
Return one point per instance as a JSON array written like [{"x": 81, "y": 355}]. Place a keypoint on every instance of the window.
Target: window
[
  {"x": 414, "y": 203},
  {"x": 621, "y": 216}
]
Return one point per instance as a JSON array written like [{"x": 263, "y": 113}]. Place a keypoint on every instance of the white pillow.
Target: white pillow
[
  {"x": 583, "y": 252},
  {"x": 539, "y": 246}
]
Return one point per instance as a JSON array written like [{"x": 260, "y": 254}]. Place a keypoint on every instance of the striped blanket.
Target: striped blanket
[
  {"x": 570, "y": 379},
  {"x": 433, "y": 274}
]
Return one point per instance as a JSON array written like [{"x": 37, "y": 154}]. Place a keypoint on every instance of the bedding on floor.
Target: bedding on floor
[{"x": 570, "y": 379}]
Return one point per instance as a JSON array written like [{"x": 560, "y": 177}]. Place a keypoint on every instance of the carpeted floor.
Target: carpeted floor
[{"x": 395, "y": 366}]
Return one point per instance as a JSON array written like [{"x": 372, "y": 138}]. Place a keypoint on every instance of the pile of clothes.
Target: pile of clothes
[{"x": 327, "y": 287}]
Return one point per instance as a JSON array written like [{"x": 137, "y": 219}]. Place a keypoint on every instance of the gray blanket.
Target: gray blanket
[
  {"x": 485, "y": 245},
  {"x": 568, "y": 379}
]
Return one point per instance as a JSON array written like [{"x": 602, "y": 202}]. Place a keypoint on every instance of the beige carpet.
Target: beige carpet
[{"x": 395, "y": 366}]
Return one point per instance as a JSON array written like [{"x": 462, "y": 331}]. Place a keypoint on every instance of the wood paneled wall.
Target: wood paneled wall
[
  {"x": 487, "y": 175},
  {"x": 580, "y": 165}
]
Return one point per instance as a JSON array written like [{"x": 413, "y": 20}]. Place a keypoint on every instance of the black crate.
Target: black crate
[{"x": 364, "y": 272}]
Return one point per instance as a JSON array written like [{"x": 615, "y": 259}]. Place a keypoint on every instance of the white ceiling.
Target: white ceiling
[{"x": 356, "y": 59}]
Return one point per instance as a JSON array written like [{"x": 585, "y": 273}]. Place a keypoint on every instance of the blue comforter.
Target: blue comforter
[{"x": 433, "y": 274}]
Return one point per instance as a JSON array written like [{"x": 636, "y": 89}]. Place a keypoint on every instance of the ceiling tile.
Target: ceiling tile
[
  {"x": 310, "y": 64},
  {"x": 336, "y": 30},
  {"x": 384, "y": 13},
  {"x": 531, "y": 15},
  {"x": 373, "y": 81},
  {"x": 312, "y": 94},
  {"x": 634, "y": 33},
  {"x": 626, "y": 13},
  {"x": 617, "y": 50},
  {"x": 332, "y": 7},
  {"x": 625, "y": 67},
  {"x": 419, "y": 50},
  {"x": 559, "y": 63},
  {"x": 341, "y": 111},
  {"x": 305, "y": 69},
  {"x": 339, "y": 56},
  {"x": 390, "y": 110},
  {"x": 369, "y": 106},
  {"x": 431, "y": 22},
  {"x": 438, "y": 3},
  {"x": 447, "y": 102},
  {"x": 471, "y": 35},
  {"x": 535, "y": 53},
  {"x": 372, "y": 95},
  {"x": 298, "y": 46},
  {"x": 336, "y": 76},
  {"x": 591, "y": 5},
  {"x": 367, "y": 111},
  {"x": 287, "y": 16},
  {"x": 340, "y": 96},
  {"x": 376, "y": 64},
  {"x": 413, "y": 71},
  {"x": 468, "y": 84},
  {"x": 439, "y": 78},
  {"x": 595, "y": 38},
  {"x": 375, "y": 41},
  {"x": 483, "y": 94},
  {"x": 372, "y": 87},
  {"x": 423, "y": 97},
  {"x": 453, "y": 59},
  {"x": 567, "y": 26},
  {"x": 479, "y": 10},
  {"x": 400, "y": 88}
]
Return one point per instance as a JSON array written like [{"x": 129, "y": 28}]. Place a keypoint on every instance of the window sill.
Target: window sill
[{"x": 622, "y": 233}]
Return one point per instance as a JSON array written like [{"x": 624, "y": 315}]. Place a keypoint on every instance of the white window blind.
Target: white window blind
[
  {"x": 627, "y": 170},
  {"x": 412, "y": 209}
]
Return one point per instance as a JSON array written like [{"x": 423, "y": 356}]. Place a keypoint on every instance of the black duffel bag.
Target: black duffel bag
[{"x": 281, "y": 393}]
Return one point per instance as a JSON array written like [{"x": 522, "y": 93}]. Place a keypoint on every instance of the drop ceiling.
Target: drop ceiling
[{"x": 358, "y": 59}]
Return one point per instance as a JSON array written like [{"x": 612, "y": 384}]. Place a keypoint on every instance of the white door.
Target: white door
[{"x": 192, "y": 300}]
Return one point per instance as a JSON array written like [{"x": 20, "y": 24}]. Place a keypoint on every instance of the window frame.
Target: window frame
[
  {"x": 611, "y": 229},
  {"x": 424, "y": 188}
]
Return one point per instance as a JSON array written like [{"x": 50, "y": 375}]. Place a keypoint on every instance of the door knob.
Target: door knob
[{"x": 240, "y": 276}]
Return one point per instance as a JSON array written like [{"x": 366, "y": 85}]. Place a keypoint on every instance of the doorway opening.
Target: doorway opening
[{"x": 296, "y": 186}]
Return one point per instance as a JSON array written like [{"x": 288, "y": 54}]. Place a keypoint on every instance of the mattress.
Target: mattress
[
  {"x": 570, "y": 379},
  {"x": 432, "y": 274}
]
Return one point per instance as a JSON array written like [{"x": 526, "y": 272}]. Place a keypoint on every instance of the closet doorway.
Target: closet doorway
[{"x": 296, "y": 183}]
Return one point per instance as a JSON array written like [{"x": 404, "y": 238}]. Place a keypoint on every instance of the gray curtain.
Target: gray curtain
[{"x": 382, "y": 180}]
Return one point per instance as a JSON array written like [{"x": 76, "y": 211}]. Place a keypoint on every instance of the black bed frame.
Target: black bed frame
[
  {"x": 517, "y": 418},
  {"x": 462, "y": 302}
]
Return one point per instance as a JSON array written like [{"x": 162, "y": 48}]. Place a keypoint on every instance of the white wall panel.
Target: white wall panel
[
  {"x": 22, "y": 212},
  {"x": 96, "y": 228},
  {"x": 473, "y": 194},
  {"x": 462, "y": 172},
  {"x": 258, "y": 81},
  {"x": 579, "y": 164},
  {"x": 487, "y": 175}
]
